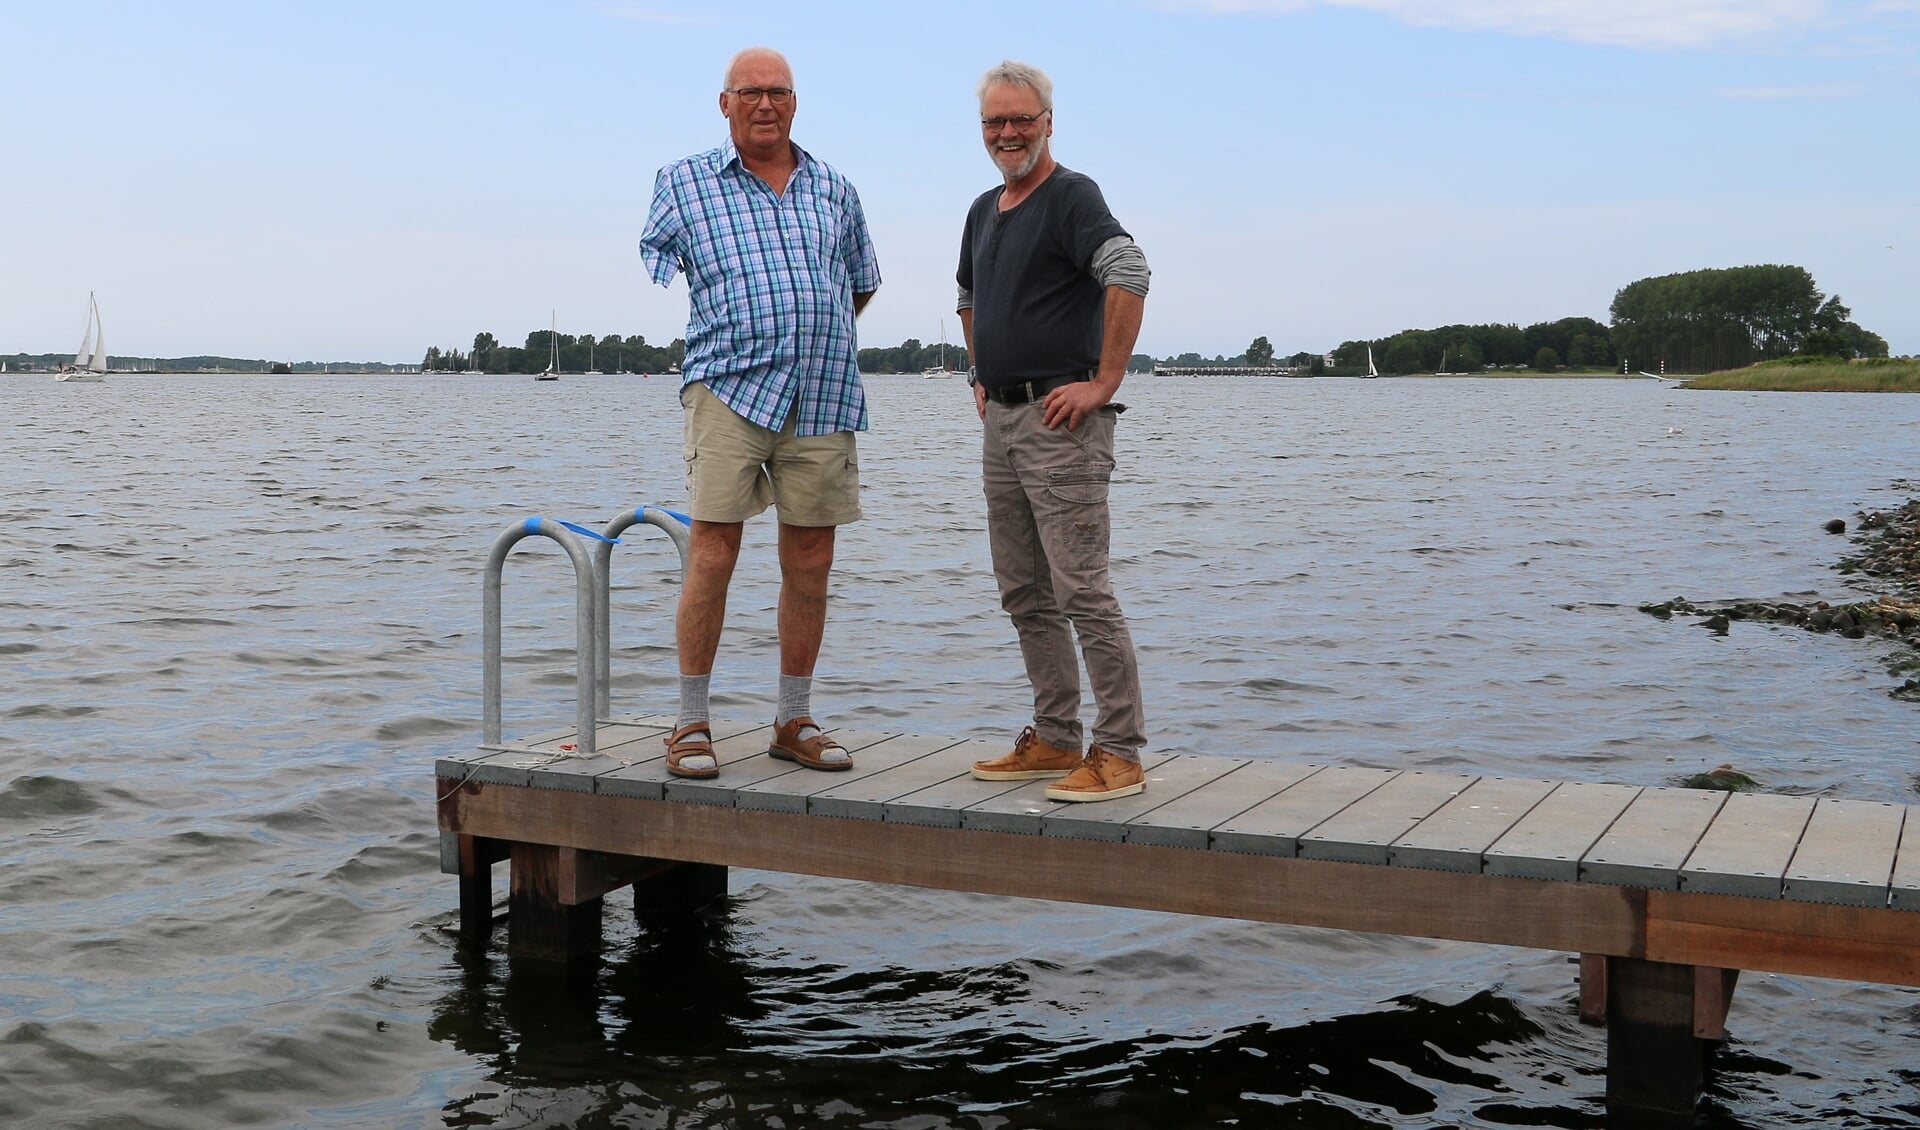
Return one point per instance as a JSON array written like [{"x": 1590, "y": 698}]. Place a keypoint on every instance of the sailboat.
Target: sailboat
[
  {"x": 940, "y": 370},
  {"x": 90, "y": 364},
  {"x": 1371, "y": 372},
  {"x": 552, "y": 371}
]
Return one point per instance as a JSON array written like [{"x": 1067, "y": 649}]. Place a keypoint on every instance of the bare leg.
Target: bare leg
[
  {"x": 714, "y": 548},
  {"x": 806, "y": 558}
]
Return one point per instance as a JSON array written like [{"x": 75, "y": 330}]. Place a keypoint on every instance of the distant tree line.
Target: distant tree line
[
  {"x": 610, "y": 354},
  {"x": 912, "y": 357},
  {"x": 1701, "y": 321},
  {"x": 1576, "y": 342}
]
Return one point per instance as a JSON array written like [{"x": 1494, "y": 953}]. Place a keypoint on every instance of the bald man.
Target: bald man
[{"x": 779, "y": 263}]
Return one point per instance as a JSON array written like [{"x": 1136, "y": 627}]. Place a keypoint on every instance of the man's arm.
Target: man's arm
[
  {"x": 860, "y": 301},
  {"x": 966, "y": 331},
  {"x": 1070, "y": 404}
]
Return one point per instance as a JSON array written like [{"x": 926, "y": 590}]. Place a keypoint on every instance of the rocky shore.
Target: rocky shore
[{"x": 1888, "y": 551}]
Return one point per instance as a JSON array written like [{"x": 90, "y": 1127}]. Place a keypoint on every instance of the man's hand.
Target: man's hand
[
  {"x": 980, "y": 400},
  {"x": 1069, "y": 404}
]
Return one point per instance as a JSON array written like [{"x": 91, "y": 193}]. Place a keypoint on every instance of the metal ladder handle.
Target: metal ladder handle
[
  {"x": 676, "y": 526},
  {"x": 586, "y": 616}
]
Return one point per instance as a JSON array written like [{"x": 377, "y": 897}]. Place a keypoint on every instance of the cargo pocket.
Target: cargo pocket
[{"x": 1084, "y": 484}]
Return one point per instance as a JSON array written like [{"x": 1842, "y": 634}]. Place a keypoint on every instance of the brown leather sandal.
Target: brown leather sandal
[
  {"x": 679, "y": 746},
  {"x": 787, "y": 746}
]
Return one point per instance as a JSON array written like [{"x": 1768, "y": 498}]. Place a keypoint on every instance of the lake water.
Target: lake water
[{"x": 240, "y": 617}]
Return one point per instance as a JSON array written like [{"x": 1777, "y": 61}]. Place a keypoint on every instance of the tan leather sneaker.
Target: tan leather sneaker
[
  {"x": 1030, "y": 760},
  {"x": 1102, "y": 776}
]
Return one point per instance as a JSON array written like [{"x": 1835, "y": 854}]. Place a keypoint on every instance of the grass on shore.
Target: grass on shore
[{"x": 1812, "y": 374}]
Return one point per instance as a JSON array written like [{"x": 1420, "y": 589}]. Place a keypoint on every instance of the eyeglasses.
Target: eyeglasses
[
  {"x": 778, "y": 95},
  {"x": 1021, "y": 122}
]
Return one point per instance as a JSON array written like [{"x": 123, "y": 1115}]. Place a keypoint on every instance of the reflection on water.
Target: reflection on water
[{"x": 239, "y": 619}]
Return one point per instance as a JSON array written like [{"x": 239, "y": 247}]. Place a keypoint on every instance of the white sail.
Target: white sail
[{"x": 98, "y": 362}]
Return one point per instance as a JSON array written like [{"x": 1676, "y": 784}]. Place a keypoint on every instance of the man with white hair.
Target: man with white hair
[
  {"x": 779, "y": 263},
  {"x": 1052, "y": 290}
]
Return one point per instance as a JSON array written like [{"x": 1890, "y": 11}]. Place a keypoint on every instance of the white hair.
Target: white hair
[
  {"x": 726, "y": 80},
  {"x": 1013, "y": 73}
]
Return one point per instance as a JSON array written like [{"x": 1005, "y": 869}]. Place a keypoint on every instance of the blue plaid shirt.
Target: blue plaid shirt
[{"x": 772, "y": 279}]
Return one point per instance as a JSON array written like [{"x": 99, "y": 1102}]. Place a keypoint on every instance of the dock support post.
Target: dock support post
[
  {"x": 1663, "y": 1023},
  {"x": 679, "y": 888},
  {"x": 547, "y": 918},
  {"x": 477, "y": 857}
]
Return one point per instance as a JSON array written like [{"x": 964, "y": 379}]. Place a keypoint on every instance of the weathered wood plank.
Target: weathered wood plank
[
  {"x": 647, "y": 780},
  {"x": 1457, "y": 836},
  {"x": 1846, "y": 853},
  {"x": 1647, "y": 843},
  {"x": 1361, "y": 832},
  {"x": 950, "y": 789},
  {"x": 864, "y": 796},
  {"x": 1109, "y": 820},
  {"x": 792, "y": 792},
  {"x": 1188, "y": 821},
  {"x": 1274, "y": 826},
  {"x": 616, "y": 745},
  {"x": 1549, "y": 841},
  {"x": 1746, "y": 849},
  {"x": 1024, "y": 809},
  {"x": 1850, "y": 943}
]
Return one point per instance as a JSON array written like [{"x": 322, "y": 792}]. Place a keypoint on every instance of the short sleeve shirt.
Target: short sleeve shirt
[
  {"x": 1036, "y": 310},
  {"x": 770, "y": 326}
]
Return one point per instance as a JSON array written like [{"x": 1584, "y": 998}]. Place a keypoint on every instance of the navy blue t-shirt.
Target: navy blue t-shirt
[{"x": 1037, "y": 313}]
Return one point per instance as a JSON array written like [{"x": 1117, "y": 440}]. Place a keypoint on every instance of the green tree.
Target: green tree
[
  {"x": 1546, "y": 361},
  {"x": 1260, "y": 353}
]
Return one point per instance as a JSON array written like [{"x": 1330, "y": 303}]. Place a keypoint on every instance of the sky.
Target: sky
[{"x": 358, "y": 181}]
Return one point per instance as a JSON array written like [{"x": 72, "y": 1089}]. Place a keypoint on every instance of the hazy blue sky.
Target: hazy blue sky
[{"x": 360, "y": 180}]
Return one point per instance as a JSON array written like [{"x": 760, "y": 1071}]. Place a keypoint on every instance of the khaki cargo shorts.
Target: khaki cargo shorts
[{"x": 736, "y": 468}]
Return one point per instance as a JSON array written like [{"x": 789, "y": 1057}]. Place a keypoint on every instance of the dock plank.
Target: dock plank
[
  {"x": 864, "y": 796},
  {"x": 732, "y": 741},
  {"x": 794, "y": 792},
  {"x": 1906, "y": 866},
  {"x": 951, "y": 788},
  {"x": 1274, "y": 826},
  {"x": 1188, "y": 821},
  {"x": 1846, "y": 854},
  {"x": 616, "y": 745},
  {"x": 755, "y": 766},
  {"x": 1362, "y": 832},
  {"x": 1746, "y": 849},
  {"x": 1649, "y": 841},
  {"x": 1456, "y": 837},
  {"x": 1166, "y": 782},
  {"x": 1024, "y": 810},
  {"x": 1549, "y": 841}
]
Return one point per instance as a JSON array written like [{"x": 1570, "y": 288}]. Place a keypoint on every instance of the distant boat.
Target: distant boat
[
  {"x": 552, "y": 371},
  {"x": 941, "y": 369},
  {"x": 591, "y": 371},
  {"x": 90, "y": 364},
  {"x": 1371, "y": 372}
]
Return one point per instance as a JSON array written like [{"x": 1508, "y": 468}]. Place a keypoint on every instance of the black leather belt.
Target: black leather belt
[{"x": 1027, "y": 392}]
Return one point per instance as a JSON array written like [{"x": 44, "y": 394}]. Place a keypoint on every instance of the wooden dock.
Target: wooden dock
[{"x": 1666, "y": 893}]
